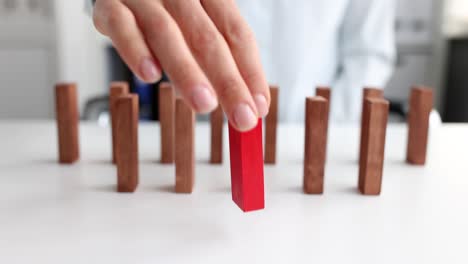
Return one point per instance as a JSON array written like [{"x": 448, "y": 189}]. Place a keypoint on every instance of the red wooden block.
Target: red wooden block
[
  {"x": 66, "y": 108},
  {"x": 246, "y": 153},
  {"x": 421, "y": 102}
]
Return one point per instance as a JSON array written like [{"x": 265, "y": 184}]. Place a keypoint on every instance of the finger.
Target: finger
[
  {"x": 241, "y": 41},
  {"x": 167, "y": 43},
  {"x": 213, "y": 55},
  {"x": 115, "y": 20}
]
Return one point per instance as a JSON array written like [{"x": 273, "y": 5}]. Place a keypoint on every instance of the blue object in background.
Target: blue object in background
[{"x": 146, "y": 93}]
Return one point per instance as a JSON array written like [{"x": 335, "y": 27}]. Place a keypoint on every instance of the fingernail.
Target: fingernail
[
  {"x": 150, "y": 71},
  {"x": 262, "y": 104},
  {"x": 204, "y": 100},
  {"x": 244, "y": 118}
]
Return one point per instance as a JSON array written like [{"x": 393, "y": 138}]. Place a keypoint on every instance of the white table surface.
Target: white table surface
[{"x": 71, "y": 214}]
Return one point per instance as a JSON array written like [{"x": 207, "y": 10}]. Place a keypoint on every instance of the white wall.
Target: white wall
[
  {"x": 40, "y": 46},
  {"x": 421, "y": 47},
  {"x": 436, "y": 71},
  {"x": 27, "y": 59},
  {"x": 81, "y": 50},
  {"x": 456, "y": 18}
]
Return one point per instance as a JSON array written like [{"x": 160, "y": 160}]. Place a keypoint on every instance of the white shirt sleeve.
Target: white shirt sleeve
[
  {"x": 89, "y": 6},
  {"x": 366, "y": 54}
]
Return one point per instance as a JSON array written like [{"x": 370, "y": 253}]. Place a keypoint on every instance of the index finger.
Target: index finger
[{"x": 241, "y": 40}]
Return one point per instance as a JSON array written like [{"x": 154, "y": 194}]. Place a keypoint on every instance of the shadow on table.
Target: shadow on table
[
  {"x": 294, "y": 190},
  {"x": 99, "y": 162},
  {"x": 53, "y": 161},
  {"x": 151, "y": 162},
  {"x": 165, "y": 189},
  {"x": 112, "y": 188},
  {"x": 395, "y": 162},
  {"x": 46, "y": 161},
  {"x": 351, "y": 190},
  {"x": 108, "y": 188},
  {"x": 222, "y": 190},
  {"x": 208, "y": 162}
]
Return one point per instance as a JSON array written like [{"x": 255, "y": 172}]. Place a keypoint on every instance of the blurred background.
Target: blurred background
[{"x": 45, "y": 41}]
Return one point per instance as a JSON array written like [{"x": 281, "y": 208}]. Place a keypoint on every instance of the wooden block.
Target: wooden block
[
  {"x": 271, "y": 125},
  {"x": 371, "y": 92},
  {"x": 325, "y": 92},
  {"x": 247, "y": 168},
  {"x": 315, "y": 144},
  {"x": 421, "y": 103},
  {"x": 127, "y": 113},
  {"x": 167, "y": 122},
  {"x": 367, "y": 93},
  {"x": 216, "y": 121},
  {"x": 375, "y": 119},
  {"x": 117, "y": 89},
  {"x": 184, "y": 148},
  {"x": 67, "y": 115}
]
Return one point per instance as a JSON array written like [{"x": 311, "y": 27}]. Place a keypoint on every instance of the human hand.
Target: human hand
[{"x": 204, "y": 46}]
